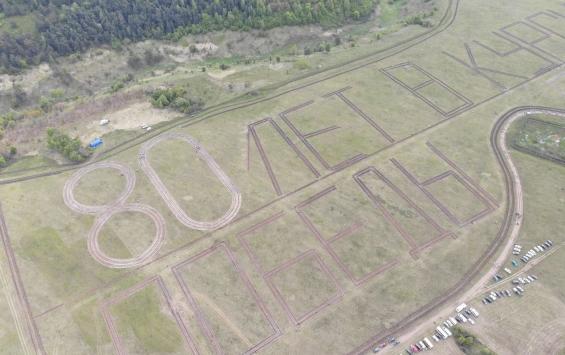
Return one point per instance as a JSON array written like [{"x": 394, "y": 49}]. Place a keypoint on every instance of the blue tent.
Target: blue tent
[{"x": 95, "y": 143}]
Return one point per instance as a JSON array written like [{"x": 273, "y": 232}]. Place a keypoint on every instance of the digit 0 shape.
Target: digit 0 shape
[{"x": 173, "y": 205}]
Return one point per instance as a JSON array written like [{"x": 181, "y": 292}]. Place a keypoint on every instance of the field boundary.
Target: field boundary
[
  {"x": 168, "y": 197},
  {"x": 445, "y": 22},
  {"x": 344, "y": 233},
  {"x": 510, "y": 222},
  {"x": 23, "y": 300},
  {"x": 423, "y": 187},
  {"x": 267, "y": 275},
  {"x": 124, "y": 295},
  {"x": 299, "y": 319},
  {"x": 415, "y": 248},
  {"x": 201, "y": 317}
]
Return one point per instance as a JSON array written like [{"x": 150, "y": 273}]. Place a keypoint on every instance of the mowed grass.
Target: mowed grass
[
  {"x": 458, "y": 199},
  {"x": 229, "y": 307},
  {"x": 289, "y": 170},
  {"x": 532, "y": 323},
  {"x": 64, "y": 266},
  {"x": 279, "y": 241},
  {"x": 91, "y": 326},
  {"x": 352, "y": 136},
  {"x": 147, "y": 326},
  {"x": 190, "y": 180},
  {"x": 400, "y": 209},
  {"x": 108, "y": 184},
  {"x": 9, "y": 340},
  {"x": 304, "y": 286},
  {"x": 126, "y": 234},
  {"x": 366, "y": 310}
]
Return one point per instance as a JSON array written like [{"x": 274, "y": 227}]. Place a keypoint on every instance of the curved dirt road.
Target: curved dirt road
[
  {"x": 140, "y": 259},
  {"x": 170, "y": 200},
  {"x": 502, "y": 244},
  {"x": 105, "y": 212},
  {"x": 70, "y": 185}
]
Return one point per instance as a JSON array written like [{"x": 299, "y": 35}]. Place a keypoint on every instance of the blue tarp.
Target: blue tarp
[{"x": 95, "y": 143}]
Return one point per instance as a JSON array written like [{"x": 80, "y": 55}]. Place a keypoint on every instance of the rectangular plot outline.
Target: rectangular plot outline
[
  {"x": 201, "y": 317},
  {"x": 415, "y": 247},
  {"x": 344, "y": 233},
  {"x": 533, "y": 43},
  {"x": 414, "y": 90},
  {"x": 549, "y": 14},
  {"x": 264, "y": 157},
  {"x": 124, "y": 295},
  {"x": 299, "y": 319},
  {"x": 267, "y": 275},
  {"x": 462, "y": 179},
  {"x": 361, "y": 113},
  {"x": 462, "y": 173},
  {"x": 305, "y": 136}
]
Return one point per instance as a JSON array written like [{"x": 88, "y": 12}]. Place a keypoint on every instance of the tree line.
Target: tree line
[{"x": 65, "y": 27}]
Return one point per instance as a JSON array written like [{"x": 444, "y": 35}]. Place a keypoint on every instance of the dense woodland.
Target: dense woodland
[{"x": 66, "y": 26}]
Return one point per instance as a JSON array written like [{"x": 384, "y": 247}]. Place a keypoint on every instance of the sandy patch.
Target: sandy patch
[
  {"x": 27, "y": 80},
  {"x": 221, "y": 74},
  {"x": 129, "y": 118},
  {"x": 182, "y": 54}
]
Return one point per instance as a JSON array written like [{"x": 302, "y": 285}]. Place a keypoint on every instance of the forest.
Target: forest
[{"x": 64, "y": 27}]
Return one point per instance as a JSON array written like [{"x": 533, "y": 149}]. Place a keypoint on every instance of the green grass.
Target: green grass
[
  {"x": 90, "y": 324},
  {"x": 544, "y": 138},
  {"x": 153, "y": 330},
  {"x": 62, "y": 265},
  {"x": 390, "y": 11},
  {"x": 51, "y": 250},
  {"x": 17, "y": 25},
  {"x": 30, "y": 162},
  {"x": 469, "y": 343}
]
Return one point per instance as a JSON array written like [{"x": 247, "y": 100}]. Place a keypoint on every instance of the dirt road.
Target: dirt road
[{"x": 423, "y": 319}]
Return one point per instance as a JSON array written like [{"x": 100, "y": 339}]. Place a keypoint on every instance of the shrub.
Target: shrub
[{"x": 70, "y": 148}]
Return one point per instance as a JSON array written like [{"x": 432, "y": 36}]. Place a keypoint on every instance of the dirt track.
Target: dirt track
[
  {"x": 70, "y": 185},
  {"x": 502, "y": 243},
  {"x": 169, "y": 199},
  {"x": 105, "y": 212}
]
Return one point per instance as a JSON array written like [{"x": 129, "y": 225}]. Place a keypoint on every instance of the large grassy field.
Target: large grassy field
[{"x": 337, "y": 241}]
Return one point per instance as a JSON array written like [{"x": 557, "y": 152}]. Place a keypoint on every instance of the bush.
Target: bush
[
  {"x": 117, "y": 86},
  {"x": 151, "y": 57},
  {"x": 134, "y": 61},
  {"x": 301, "y": 65},
  {"x": 70, "y": 148},
  {"x": 468, "y": 343},
  {"x": 175, "y": 98}
]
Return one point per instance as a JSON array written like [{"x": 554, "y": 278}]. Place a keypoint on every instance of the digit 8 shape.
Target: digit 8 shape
[{"x": 105, "y": 212}]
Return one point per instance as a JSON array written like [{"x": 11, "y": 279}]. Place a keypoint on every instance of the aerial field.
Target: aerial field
[{"x": 320, "y": 220}]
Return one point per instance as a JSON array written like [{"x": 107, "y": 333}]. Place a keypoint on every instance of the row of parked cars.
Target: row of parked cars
[{"x": 517, "y": 289}]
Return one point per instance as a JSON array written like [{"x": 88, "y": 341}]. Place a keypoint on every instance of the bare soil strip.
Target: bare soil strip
[
  {"x": 502, "y": 243},
  {"x": 105, "y": 212},
  {"x": 169, "y": 199}
]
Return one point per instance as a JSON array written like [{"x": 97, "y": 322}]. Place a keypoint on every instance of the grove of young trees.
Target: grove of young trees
[{"x": 66, "y": 26}]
